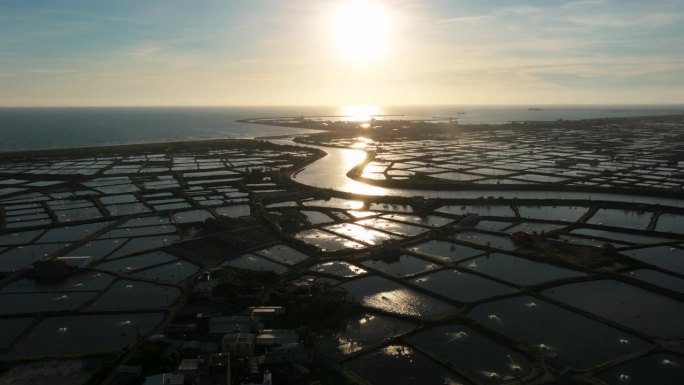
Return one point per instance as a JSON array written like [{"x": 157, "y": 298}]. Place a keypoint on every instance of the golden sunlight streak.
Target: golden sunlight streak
[{"x": 361, "y": 30}]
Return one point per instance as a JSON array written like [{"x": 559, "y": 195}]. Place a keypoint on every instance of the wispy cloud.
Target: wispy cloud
[
  {"x": 467, "y": 19},
  {"x": 145, "y": 49},
  {"x": 51, "y": 71}
]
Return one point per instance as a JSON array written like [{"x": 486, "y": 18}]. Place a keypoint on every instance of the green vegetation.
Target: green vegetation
[{"x": 569, "y": 254}]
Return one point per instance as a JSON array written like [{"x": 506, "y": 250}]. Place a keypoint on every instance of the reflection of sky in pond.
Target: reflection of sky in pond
[
  {"x": 554, "y": 331},
  {"x": 253, "y": 262},
  {"x": 127, "y": 209},
  {"x": 492, "y": 225},
  {"x": 460, "y": 286},
  {"x": 137, "y": 262},
  {"x": 361, "y": 331},
  {"x": 337, "y": 203},
  {"x": 137, "y": 245},
  {"x": 116, "y": 199},
  {"x": 191, "y": 216},
  {"x": 11, "y": 328},
  {"x": 359, "y": 233},
  {"x": 491, "y": 210},
  {"x": 82, "y": 281},
  {"x": 338, "y": 268},
  {"x": 447, "y": 251},
  {"x": 71, "y": 233},
  {"x": 427, "y": 220},
  {"x": 666, "y": 281},
  {"x": 327, "y": 241},
  {"x": 401, "y": 266},
  {"x": 362, "y": 214},
  {"x": 21, "y": 303},
  {"x": 662, "y": 368},
  {"x": 316, "y": 217},
  {"x": 148, "y": 221},
  {"x": 392, "y": 226},
  {"x": 98, "y": 249},
  {"x": 670, "y": 223},
  {"x": 518, "y": 270},
  {"x": 552, "y": 213},
  {"x": 124, "y": 232},
  {"x": 498, "y": 242},
  {"x": 614, "y": 235},
  {"x": 390, "y": 207},
  {"x": 628, "y": 305},
  {"x": 534, "y": 227},
  {"x": 21, "y": 256},
  {"x": 171, "y": 272},
  {"x": 666, "y": 257},
  {"x": 233, "y": 211},
  {"x": 85, "y": 334},
  {"x": 129, "y": 295},
  {"x": 283, "y": 254},
  {"x": 621, "y": 218},
  {"x": 401, "y": 365},
  {"x": 472, "y": 352},
  {"x": 18, "y": 238}
]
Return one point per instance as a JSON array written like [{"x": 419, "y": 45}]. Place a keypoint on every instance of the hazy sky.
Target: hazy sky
[{"x": 301, "y": 52}]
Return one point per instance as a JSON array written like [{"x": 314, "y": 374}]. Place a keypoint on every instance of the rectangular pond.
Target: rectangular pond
[
  {"x": 84, "y": 334},
  {"x": 253, "y": 262},
  {"x": 338, "y": 268},
  {"x": 662, "y": 368},
  {"x": 327, "y": 241},
  {"x": 624, "y": 304},
  {"x": 381, "y": 293},
  {"x": 570, "y": 338},
  {"x": 401, "y": 365},
  {"x": 621, "y": 218},
  {"x": 360, "y": 332},
  {"x": 136, "y": 295},
  {"x": 445, "y": 251},
  {"x": 461, "y": 286},
  {"x": 666, "y": 257},
  {"x": 401, "y": 266},
  {"x": 517, "y": 270},
  {"x": 472, "y": 353},
  {"x": 283, "y": 254}
]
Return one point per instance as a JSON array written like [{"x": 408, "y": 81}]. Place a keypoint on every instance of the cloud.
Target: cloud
[
  {"x": 145, "y": 49},
  {"x": 652, "y": 20},
  {"x": 51, "y": 71},
  {"x": 467, "y": 19}
]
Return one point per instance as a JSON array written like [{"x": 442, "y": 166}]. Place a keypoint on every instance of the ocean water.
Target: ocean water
[{"x": 41, "y": 128}]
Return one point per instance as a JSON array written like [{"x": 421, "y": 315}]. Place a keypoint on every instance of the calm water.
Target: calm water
[{"x": 34, "y": 128}]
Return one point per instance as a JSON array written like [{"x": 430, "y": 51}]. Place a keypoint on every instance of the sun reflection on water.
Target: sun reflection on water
[{"x": 398, "y": 301}]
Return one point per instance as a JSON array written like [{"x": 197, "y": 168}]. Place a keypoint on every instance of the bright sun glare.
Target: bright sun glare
[
  {"x": 361, "y": 29},
  {"x": 359, "y": 112}
]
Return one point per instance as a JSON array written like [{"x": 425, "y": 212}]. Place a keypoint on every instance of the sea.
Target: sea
[{"x": 33, "y": 128}]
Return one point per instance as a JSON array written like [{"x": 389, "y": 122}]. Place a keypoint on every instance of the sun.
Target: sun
[{"x": 361, "y": 30}]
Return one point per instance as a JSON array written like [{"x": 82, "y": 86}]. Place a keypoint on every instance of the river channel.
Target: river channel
[{"x": 331, "y": 172}]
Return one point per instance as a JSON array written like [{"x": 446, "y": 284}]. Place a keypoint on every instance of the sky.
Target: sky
[{"x": 328, "y": 52}]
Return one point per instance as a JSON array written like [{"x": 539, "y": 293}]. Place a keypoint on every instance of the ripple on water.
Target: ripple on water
[{"x": 381, "y": 293}]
